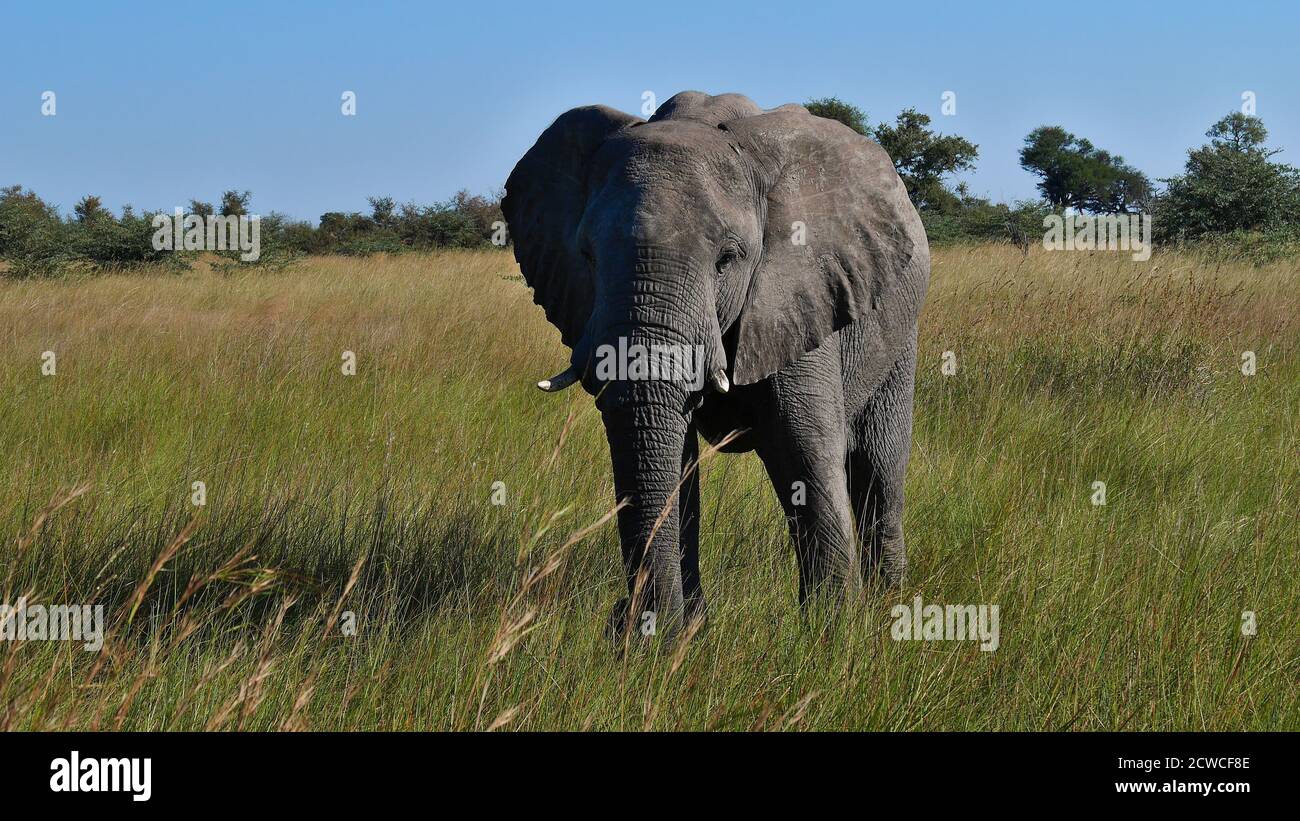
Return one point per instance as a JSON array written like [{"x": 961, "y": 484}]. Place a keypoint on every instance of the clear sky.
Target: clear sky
[{"x": 158, "y": 103}]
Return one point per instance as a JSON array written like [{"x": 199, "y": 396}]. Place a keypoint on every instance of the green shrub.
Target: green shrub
[
  {"x": 33, "y": 239},
  {"x": 106, "y": 243},
  {"x": 36, "y": 241},
  {"x": 1230, "y": 188},
  {"x": 978, "y": 220}
]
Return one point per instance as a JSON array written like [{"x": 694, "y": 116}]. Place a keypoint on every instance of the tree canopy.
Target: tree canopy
[
  {"x": 1231, "y": 184},
  {"x": 833, "y": 108},
  {"x": 1073, "y": 173},
  {"x": 923, "y": 158}
]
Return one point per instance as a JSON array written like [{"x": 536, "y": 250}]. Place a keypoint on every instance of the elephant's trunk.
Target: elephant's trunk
[
  {"x": 665, "y": 311},
  {"x": 647, "y": 432}
]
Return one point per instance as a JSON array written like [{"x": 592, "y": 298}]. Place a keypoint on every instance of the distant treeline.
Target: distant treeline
[
  {"x": 1232, "y": 196},
  {"x": 36, "y": 240}
]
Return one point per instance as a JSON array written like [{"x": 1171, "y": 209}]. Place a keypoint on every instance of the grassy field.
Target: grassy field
[{"x": 349, "y": 570}]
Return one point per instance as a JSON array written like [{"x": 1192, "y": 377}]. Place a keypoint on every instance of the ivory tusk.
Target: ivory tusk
[
  {"x": 720, "y": 382},
  {"x": 560, "y": 381}
]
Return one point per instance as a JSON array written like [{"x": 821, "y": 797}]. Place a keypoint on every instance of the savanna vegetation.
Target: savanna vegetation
[
  {"x": 348, "y": 568},
  {"x": 1234, "y": 199},
  {"x": 36, "y": 240}
]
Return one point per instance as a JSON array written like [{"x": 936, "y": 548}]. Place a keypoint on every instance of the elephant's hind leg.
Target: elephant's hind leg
[{"x": 877, "y": 465}]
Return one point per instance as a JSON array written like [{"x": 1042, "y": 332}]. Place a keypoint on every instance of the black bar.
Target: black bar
[{"x": 219, "y": 772}]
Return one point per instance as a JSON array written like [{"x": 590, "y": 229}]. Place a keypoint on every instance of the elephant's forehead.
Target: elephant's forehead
[
  {"x": 673, "y": 164},
  {"x": 682, "y": 145},
  {"x": 709, "y": 110},
  {"x": 670, "y": 134}
]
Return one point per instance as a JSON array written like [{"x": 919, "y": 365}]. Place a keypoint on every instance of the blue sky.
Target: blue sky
[{"x": 158, "y": 104}]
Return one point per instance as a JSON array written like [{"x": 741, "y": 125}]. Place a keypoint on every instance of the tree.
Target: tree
[
  {"x": 1231, "y": 184},
  {"x": 1073, "y": 173},
  {"x": 1129, "y": 190},
  {"x": 1239, "y": 132},
  {"x": 482, "y": 211},
  {"x": 32, "y": 235},
  {"x": 234, "y": 204},
  {"x": 15, "y": 198},
  {"x": 201, "y": 209},
  {"x": 382, "y": 210},
  {"x": 833, "y": 108},
  {"x": 89, "y": 208},
  {"x": 923, "y": 158}
]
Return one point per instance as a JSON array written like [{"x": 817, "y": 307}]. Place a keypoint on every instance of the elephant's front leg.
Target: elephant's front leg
[
  {"x": 690, "y": 529},
  {"x": 803, "y": 448}
]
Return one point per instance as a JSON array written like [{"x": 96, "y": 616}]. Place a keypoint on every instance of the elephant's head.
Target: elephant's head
[{"x": 745, "y": 236}]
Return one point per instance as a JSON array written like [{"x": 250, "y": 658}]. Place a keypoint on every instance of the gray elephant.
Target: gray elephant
[{"x": 782, "y": 250}]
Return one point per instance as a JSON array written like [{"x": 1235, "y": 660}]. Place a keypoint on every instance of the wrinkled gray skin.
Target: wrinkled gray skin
[{"x": 680, "y": 230}]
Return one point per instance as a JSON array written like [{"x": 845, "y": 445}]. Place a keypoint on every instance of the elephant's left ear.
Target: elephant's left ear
[
  {"x": 841, "y": 242},
  {"x": 546, "y": 196}
]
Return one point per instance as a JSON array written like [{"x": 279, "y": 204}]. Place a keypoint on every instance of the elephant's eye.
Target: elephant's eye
[{"x": 731, "y": 252}]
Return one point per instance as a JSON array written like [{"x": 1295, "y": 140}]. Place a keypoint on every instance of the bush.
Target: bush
[
  {"x": 106, "y": 243},
  {"x": 437, "y": 226},
  {"x": 483, "y": 212},
  {"x": 33, "y": 239},
  {"x": 285, "y": 238},
  {"x": 978, "y": 220},
  {"x": 36, "y": 241},
  {"x": 464, "y": 221},
  {"x": 1230, "y": 187}
]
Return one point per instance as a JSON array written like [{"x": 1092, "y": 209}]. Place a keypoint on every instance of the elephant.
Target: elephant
[{"x": 782, "y": 249}]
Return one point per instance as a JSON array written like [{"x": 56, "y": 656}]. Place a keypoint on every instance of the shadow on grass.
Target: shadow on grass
[{"x": 411, "y": 562}]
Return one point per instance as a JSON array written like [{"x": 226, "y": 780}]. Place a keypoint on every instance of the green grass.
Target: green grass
[{"x": 371, "y": 494}]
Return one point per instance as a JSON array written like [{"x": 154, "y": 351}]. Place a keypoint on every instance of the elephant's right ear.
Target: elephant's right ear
[{"x": 546, "y": 196}]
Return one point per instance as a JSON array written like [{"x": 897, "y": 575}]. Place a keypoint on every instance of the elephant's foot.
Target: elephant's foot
[
  {"x": 616, "y": 625},
  {"x": 895, "y": 574},
  {"x": 645, "y": 623},
  {"x": 887, "y": 566}
]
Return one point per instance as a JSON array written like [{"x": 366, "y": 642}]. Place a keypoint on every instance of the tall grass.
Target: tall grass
[{"x": 349, "y": 569}]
